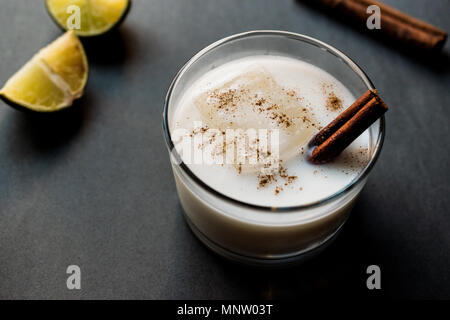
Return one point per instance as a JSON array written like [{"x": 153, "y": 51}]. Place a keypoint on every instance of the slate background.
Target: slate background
[{"x": 94, "y": 187}]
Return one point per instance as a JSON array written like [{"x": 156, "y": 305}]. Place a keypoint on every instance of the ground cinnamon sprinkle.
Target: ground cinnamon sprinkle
[
  {"x": 333, "y": 102},
  {"x": 224, "y": 99},
  {"x": 260, "y": 102},
  {"x": 281, "y": 118},
  {"x": 278, "y": 189},
  {"x": 265, "y": 179},
  {"x": 291, "y": 179},
  {"x": 355, "y": 161},
  {"x": 272, "y": 107},
  {"x": 290, "y": 93}
]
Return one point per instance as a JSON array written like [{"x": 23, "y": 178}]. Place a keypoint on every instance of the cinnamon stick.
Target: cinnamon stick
[
  {"x": 348, "y": 113},
  {"x": 349, "y": 125},
  {"x": 395, "y": 24}
]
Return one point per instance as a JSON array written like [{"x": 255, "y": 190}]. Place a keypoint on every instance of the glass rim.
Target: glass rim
[{"x": 299, "y": 37}]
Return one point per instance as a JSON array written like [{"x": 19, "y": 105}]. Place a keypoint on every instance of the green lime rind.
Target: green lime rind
[
  {"x": 29, "y": 109},
  {"x": 52, "y": 80}
]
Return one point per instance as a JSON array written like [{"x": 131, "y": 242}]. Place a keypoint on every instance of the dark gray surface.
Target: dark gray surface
[{"x": 94, "y": 188}]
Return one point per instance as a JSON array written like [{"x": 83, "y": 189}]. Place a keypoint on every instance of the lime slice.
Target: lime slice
[
  {"x": 88, "y": 17},
  {"x": 52, "y": 79}
]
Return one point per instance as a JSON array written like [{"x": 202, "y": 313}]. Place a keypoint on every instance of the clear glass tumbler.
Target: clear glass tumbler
[{"x": 221, "y": 222}]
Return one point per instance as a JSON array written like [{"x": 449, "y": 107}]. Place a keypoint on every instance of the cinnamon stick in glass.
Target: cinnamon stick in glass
[{"x": 349, "y": 125}]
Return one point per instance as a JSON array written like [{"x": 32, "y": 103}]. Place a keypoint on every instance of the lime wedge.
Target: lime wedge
[
  {"x": 52, "y": 79},
  {"x": 88, "y": 17}
]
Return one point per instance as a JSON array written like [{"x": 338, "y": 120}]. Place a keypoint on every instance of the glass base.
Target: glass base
[{"x": 287, "y": 260}]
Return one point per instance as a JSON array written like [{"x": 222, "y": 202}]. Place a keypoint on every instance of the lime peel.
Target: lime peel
[{"x": 52, "y": 80}]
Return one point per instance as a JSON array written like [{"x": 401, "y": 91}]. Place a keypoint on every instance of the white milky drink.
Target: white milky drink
[{"x": 260, "y": 194}]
